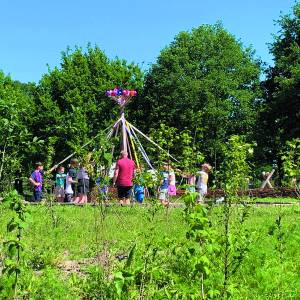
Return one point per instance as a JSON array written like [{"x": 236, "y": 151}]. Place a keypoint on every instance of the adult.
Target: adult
[{"x": 123, "y": 177}]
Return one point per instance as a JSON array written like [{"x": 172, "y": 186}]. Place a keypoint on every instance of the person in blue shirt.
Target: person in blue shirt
[{"x": 139, "y": 193}]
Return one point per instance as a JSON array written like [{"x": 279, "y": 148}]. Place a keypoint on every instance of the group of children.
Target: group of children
[
  {"x": 195, "y": 182},
  {"x": 73, "y": 185}
]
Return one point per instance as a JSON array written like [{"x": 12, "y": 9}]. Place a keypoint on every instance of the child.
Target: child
[
  {"x": 164, "y": 187},
  {"x": 139, "y": 193},
  {"x": 73, "y": 170},
  {"x": 172, "y": 182},
  {"x": 83, "y": 186},
  {"x": 191, "y": 183},
  {"x": 60, "y": 184},
  {"x": 69, "y": 190},
  {"x": 102, "y": 188},
  {"x": 36, "y": 180},
  {"x": 202, "y": 181}
]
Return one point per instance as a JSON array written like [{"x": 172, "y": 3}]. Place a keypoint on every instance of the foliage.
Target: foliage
[
  {"x": 280, "y": 119},
  {"x": 16, "y": 116},
  {"x": 166, "y": 137},
  {"x": 14, "y": 245},
  {"x": 205, "y": 79},
  {"x": 236, "y": 238},
  {"x": 71, "y": 100},
  {"x": 291, "y": 162},
  {"x": 235, "y": 167},
  {"x": 172, "y": 274}
]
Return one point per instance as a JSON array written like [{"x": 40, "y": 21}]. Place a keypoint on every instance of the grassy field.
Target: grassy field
[{"x": 73, "y": 252}]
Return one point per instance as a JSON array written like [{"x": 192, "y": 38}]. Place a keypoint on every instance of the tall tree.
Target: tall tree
[
  {"x": 71, "y": 101},
  {"x": 280, "y": 121},
  {"x": 17, "y": 142},
  {"x": 205, "y": 81}
]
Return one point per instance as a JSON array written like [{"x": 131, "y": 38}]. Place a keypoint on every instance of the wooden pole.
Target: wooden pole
[
  {"x": 267, "y": 182},
  {"x": 124, "y": 134}
]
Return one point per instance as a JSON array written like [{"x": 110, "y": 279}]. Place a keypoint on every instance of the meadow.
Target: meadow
[{"x": 152, "y": 252}]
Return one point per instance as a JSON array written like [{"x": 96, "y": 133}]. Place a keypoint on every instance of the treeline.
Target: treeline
[{"x": 205, "y": 84}]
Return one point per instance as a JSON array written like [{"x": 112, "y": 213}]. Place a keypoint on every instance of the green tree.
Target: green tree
[
  {"x": 204, "y": 79},
  {"x": 17, "y": 142},
  {"x": 291, "y": 162},
  {"x": 71, "y": 100},
  {"x": 280, "y": 120}
]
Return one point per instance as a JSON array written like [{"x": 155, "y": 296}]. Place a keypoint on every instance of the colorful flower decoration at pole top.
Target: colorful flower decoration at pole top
[{"x": 121, "y": 96}]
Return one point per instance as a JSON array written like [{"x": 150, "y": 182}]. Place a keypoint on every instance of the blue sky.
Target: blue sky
[{"x": 33, "y": 33}]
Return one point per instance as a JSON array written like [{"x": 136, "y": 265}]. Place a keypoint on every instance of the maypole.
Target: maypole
[
  {"x": 122, "y": 98},
  {"x": 129, "y": 133}
]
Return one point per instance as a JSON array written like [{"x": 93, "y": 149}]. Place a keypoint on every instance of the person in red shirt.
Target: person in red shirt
[{"x": 123, "y": 177}]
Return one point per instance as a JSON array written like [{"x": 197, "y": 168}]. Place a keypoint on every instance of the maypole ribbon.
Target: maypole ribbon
[
  {"x": 148, "y": 139},
  {"x": 141, "y": 149},
  {"x": 132, "y": 144}
]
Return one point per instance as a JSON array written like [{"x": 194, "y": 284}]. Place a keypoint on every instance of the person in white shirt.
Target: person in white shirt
[{"x": 202, "y": 181}]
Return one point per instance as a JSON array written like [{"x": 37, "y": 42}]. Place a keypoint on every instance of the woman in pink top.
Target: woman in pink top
[{"x": 123, "y": 178}]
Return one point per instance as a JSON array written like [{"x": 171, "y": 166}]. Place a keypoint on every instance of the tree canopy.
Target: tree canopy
[
  {"x": 280, "y": 120},
  {"x": 205, "y": 81},
  {"x": 71, "y": 102}
]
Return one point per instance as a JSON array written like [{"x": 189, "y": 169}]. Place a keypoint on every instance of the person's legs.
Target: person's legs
[
  {"x": 37, "y": 196},
  {"x": 69, "y": 197},
  {"x": 201, "y": 195},
  {"x": 120, "y": 195},
  {"x": 128, "y": 192},
  {"x": 86, "y": 190},
  {"x": 61, "y": 194},
  {"x": 81, "y": 196},
  {"x": 76, "y": 199},
  {"x": 163, "y": 197},
  {"x": 83, "y": 199},
  {"x": 124, "y": 193}
]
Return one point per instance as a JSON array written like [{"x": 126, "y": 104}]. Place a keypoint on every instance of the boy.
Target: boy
[
  {"x": 60, "y": 184},
  {"x": 139, "y": 193},
  {"x": 202, "y": 181},
  {"x": 36, "y": 180}
]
